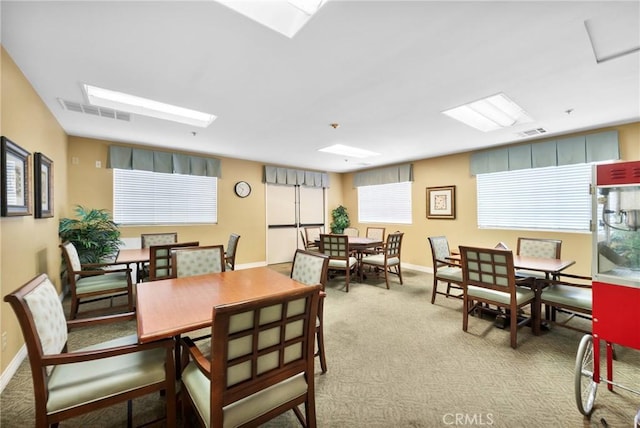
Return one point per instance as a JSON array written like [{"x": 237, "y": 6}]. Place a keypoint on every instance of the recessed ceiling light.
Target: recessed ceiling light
[
  {"x": 132, "y": 104},
  {"x": 354, "y": 152},
  {"x": 489, "y": 114}
]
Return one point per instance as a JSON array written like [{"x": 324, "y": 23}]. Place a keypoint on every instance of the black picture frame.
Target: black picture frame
[
  {"x": 15, "y": 176},
  {"x": 42, "y": 186}
]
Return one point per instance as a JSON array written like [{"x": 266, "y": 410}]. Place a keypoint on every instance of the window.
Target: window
[
  {"x": 553, "y": 198},
  {"x": 144, "y": 197},
  {"x": 385, "y": 203}
]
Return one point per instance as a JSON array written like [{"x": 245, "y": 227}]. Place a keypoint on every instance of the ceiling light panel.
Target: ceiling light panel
[
  {"x": 353, "y": 152},
  {"x": 143, "y": 106},
  {"x": 491, "y": 113}
]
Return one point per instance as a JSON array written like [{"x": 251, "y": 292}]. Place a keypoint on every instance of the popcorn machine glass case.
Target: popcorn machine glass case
[{"x": 616, "y": 253}]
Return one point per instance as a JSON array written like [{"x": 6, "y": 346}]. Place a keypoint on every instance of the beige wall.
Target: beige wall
[
  {"x": 454, "y": 170},
  {"x": 29, "y": 245}
]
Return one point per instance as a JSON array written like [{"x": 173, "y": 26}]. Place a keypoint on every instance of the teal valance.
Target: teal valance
[
  {"x": 601, "y": 146},
  {"x": 295, "y": 177},
  {"x": 170, "y": 163},
  {"x": 386, "y": 175}
]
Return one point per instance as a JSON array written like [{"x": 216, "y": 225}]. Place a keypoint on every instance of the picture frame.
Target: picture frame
[
  {"x": 42, "y": 186},
  {"x": 15, "y": 175},
  {"x": 441, "y": 202}
]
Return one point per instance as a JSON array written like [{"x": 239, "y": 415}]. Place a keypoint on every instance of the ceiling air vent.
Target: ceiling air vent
[
  {"x": 532, "y": 132},
  {"x": 94, "y": 111}
]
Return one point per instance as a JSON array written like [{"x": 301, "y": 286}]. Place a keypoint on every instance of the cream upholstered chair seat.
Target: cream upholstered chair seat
[
  {"x": 522, "y": 295},
  {"x": 343, "y": 264},
  {"x": 266, "y": 372},
  {"x": 68, "y": 383},
  {"x": 95, "y": 281}
]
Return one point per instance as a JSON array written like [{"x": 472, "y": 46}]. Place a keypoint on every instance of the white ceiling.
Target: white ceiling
[{"x": 383, "y": 70}]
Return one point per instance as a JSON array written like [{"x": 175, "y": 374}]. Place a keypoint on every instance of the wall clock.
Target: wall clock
[{"x": 242, "y": 189}]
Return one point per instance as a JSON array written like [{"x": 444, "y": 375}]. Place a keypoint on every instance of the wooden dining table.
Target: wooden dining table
[
  {"x": 172, "y": 307},
  {"x": 550, "y": 267}
]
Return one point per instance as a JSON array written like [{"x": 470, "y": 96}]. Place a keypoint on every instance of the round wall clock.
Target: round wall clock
[{"x": 242, "y": 189}]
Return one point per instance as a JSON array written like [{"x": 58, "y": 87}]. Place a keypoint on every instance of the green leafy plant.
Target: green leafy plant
[
  {"x": 95, "y": 236},
  {"x": 340, "y": 219}
]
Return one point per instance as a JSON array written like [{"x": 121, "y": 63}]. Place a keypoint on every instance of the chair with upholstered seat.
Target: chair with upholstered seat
[
  {"x": 68, "y": 383},
  {"x": 312, "y": 234},
  {"x": 340, "y": 258},
  {"x": 92, "y": 282},
  {"x": 193, "y": 261},
  {"x": 540, "y": 248},
  {"x": 389, "y": 260},
  {"x": 261, "y": 362},
  {"x": 160, "y": 263},
  {"x": 376, "y": 233},
  {"x": 573, "y": 298},
  {"x": 149, "y": 239},
  {"x": 310, "y": 268},
  {"x": 230, "y": 253},
  {"x": 489, "y": 278},
  {"x": 444, "y": 270}
]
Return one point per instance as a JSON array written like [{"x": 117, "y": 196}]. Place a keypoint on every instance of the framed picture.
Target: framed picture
[
  {"x": 441, "y": 202},
  {"x": 42, "y": 186},
  {"x": 15, "y": 179}
]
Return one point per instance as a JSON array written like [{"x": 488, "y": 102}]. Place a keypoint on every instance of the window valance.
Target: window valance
[
  {"x": 588, "y": 148},
  {"x": 386, "y": 175},
  {"x": 295, "y": 177},
  {"x": 171, "y": 163}
]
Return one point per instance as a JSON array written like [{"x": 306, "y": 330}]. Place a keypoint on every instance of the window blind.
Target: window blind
[
  {"x": 552, "y": 198},
  {"x": 145, "y": 197},
  {"x": 385, "y": 203}
]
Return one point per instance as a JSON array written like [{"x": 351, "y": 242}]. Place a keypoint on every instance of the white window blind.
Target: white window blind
[
  {"x": 553, "y": 198},
  {"x": 385, "y": 203},
  {"x": 144, "y": 197}
]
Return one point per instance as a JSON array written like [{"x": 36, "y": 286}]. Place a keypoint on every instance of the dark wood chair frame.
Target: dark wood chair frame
[
  {"x": 323, "y": 295},
  {"x": 93, "y": 269},
  {"x": 337, "y": 248},
  {"x": 440, "y": 263},
  {"x": 551, "y": 307},
  {"x": 217, "y": 365},
  {"x": 232, "y": 249},
  {"x": 391, "y": 249},
  {"x": 38, "y": 362},
  {"x": 160, "y": 262},
  {"x": 473, "y": 274}
]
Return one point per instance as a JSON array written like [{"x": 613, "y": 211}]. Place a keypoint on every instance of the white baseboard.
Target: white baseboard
[{"x": 12, "y": 368}]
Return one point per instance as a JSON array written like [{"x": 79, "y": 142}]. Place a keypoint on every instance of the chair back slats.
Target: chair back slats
[
  {"x": 149, "y": 239},
  {"x": 542, "y": 248},
  {"x": 335, "y": 246},
  {"x": 197, "y": 260},
  {"x": 394, "y": 245},
  {"x": 488, "y": 268},
  {"x": 260, "y": 344},
  {"x": 160, "y": 266}
]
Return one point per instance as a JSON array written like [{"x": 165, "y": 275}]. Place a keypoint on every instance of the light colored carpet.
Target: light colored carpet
[{"x": 395, "y": 360}]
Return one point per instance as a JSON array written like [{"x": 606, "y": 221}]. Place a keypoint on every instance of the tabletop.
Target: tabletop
[
  {"x": 133, "y": 255},
  {"x": 175, "y": 306}
]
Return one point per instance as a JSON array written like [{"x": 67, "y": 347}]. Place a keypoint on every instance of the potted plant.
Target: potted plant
[
  {"x": 95, "y": 236},
  {"x": 340, "y": 219}
]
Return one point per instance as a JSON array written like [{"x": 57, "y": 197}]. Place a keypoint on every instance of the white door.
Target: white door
[{"x": 288, "y": 209}]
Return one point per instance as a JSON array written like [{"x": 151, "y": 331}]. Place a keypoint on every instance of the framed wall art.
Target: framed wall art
[
  {"x": 441, "y": 202},
  {"x": 15, "y": 179},
  {"x": 42, "y": 186}
]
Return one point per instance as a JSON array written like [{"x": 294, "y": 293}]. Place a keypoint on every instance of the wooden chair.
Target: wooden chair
[
  {"x": 489, "y": 278},
  {"x": 149, "y": 239},
  {"x": 376, "y": 233},
  {"x": 92, "y": 282},
  {"x": 310, "y": 268},
  {"x": 312, "y": 234},
  {"x": 389, "y": 260},
  {"x": 258, "y": 371},
  {"x": 444, "y": 270},
  {"x": 160, "y": 266},
  {"x": 340, "y": 258},
  {"x": 68, "y": 383},
  {"x": 574, "y": 298},
  {"x": 541, "y": 248},
  {"x": 230, "y": 254},
  {"x": 192, "y": 261},
  {"x": 351, "y": 231}
]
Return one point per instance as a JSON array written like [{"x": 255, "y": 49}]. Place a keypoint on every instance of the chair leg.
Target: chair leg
[
  {"x": 465, "y": 314},
  {"x": 513, "y": 327},
  {"x": 74, "y": 307},
  {"x": 435, "y": 290},
  {"x": 347, "y": 272},
  {"x": 399, "y": 269},
  {"x": 386, "y": 276},
  {"x": 320, "y": 338}
]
